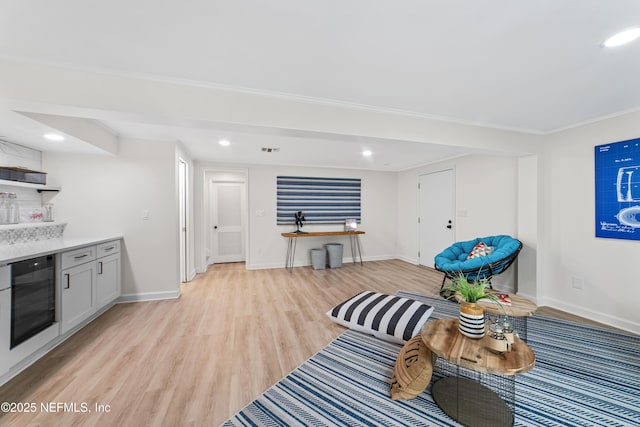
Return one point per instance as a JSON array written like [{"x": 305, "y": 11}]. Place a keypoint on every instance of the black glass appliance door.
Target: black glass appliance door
[{"x": 32, "y": 297}]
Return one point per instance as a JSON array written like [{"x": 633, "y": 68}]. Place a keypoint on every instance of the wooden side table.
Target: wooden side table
[
  {"x": 478, "y": 388},
  {"x": 518, "y": 312}
]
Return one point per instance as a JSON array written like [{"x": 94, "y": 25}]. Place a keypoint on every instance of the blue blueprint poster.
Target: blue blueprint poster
[{"x": 618, "y": 190}]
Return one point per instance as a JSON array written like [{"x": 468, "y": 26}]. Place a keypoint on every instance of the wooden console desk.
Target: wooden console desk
[{"x": 293, "y": 240}]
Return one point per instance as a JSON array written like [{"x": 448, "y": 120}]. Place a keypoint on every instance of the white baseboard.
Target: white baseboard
[
  {"x": 345, "y": 260},
  {"x": 596, "y": 316},
  {"x": 413, "y": 261},
  {"x": 531, "y": 298},
  {"x": 148, "y": 296}
]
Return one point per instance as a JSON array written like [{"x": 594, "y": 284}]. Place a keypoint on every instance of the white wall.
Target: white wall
[
  {"x": 104, "y": 195},
  {"x": 609, "y": 267},
  {"x": 267, "y": 247},
  {"x": 486, "y": 203}
]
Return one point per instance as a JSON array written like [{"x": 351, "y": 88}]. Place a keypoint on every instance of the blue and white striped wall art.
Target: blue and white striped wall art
[{"x": 321, "y": 200}]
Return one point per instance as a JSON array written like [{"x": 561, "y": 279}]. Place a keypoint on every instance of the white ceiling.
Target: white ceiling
[{"x": 533, "y": 66}]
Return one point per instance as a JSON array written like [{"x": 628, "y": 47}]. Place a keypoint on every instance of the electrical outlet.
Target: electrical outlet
[{"x": 145, "y": 215}]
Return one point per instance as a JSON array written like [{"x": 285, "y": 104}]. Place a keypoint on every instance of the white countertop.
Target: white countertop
[{"x": 20, "y": 251}]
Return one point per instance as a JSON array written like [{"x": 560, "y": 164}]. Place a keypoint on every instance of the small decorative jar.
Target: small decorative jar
[{"x": 498, "y": 341}]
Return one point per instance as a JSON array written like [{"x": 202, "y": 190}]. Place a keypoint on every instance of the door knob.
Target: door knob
[
  {"x": 215, "y": 227},
  {"x": 449, "y": 225}
]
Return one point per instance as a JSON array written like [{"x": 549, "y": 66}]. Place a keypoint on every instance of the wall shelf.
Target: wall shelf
[{"x": 39, "y": 187}]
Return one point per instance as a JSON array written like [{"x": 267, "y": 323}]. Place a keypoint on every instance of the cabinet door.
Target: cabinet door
[
  {"x": 108, "y": 279},
  {"x": 78, "y": 299},
  {"x": 5, "y": 329}
]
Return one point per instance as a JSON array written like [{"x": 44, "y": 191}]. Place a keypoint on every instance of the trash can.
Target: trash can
[
  {"x": 318, "y": 259},
  {"x": 335, "y": 254}
]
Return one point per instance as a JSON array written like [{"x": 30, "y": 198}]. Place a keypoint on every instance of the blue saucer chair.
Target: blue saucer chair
[{"x": 454, "y": 261}]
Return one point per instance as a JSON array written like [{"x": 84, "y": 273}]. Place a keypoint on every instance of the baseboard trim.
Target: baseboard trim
[
  {"x": 413, "y": 261},
  {"x": 348, "y": 260},
  {"x": 148, "y": 296},
  {"x": 596, "y": 316}
]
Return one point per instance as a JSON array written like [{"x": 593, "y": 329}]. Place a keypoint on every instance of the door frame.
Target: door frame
[
  {"x": 183, "y": 217},
  {"x": 207, "y": 172}
]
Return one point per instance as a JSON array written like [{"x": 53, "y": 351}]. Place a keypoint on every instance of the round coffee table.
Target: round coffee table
[{"x": 466, "y": 395}]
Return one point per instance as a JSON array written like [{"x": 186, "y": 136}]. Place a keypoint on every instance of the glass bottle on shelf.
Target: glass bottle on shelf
[
  {"x": 14, "y": 209},
  {"x": 4, "y": 208}
]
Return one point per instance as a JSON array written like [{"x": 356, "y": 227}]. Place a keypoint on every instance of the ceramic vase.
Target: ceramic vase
[{"x": 471, "y": 320}]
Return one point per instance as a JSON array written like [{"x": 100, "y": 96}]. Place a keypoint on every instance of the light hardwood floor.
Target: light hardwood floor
[{"x": 198, "y": 359}]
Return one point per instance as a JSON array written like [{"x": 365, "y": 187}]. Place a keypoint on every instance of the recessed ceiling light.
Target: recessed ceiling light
[
  {"x": 224, "y": 143},
  {"x": 54, "y": 137},
  {"x": 367, "y": 153},
  {"x": 622, "y": 37}
]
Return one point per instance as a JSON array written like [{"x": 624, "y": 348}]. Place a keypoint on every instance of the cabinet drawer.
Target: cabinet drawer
[
  {"x": 78, "y": 256},
  {"x": 108, "y": 248}
]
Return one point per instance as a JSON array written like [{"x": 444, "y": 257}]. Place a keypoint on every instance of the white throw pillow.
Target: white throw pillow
[{"x": 387, "y": 317}]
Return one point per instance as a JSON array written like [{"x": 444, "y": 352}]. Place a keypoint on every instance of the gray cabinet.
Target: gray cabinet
[
  {"x": 108, "y": 273},
  {"x": 90, "y": 280},
  {"x": 78, "y": 284},
  {"x": 77, "y": 302}
]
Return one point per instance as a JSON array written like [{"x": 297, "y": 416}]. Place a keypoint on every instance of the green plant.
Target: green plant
[{"x": 461, "y": 288}]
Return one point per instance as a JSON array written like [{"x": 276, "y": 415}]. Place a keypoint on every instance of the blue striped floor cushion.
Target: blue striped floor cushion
[{"x": 388, "y": 317}]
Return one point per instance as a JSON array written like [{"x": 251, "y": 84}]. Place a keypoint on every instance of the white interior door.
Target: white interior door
[
  {"x": 227, "y": 209},
  {"x": 437, "y": 200}
]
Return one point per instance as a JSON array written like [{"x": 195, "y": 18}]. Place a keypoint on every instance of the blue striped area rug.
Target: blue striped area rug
[{"x": 584, "y": 376}]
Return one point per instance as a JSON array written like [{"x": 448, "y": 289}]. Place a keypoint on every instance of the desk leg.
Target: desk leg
[
  {"x": 354, "y": 241},
  {"x": 357, "y": 239},
  {"x": 291, "y": 254},
  {"x": 286, "y": 262},
  {"x": 353, "y": 247}
]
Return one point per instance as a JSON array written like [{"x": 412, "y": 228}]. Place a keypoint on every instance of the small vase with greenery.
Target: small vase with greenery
[
  {"x": 461, "y": 289},
  {"x": 467, "y": 293}
]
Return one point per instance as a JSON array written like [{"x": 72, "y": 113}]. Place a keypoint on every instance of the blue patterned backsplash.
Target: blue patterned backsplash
[{"x": 25, "y": 233}]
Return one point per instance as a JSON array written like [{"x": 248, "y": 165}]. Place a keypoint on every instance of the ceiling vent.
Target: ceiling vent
[{"x": 270, "y": 150}]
